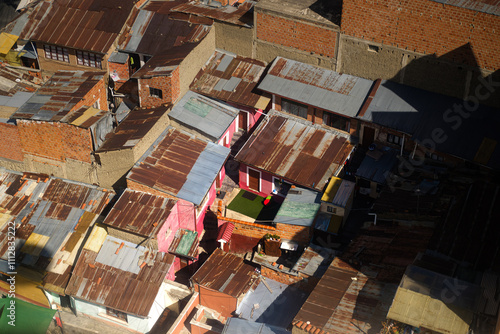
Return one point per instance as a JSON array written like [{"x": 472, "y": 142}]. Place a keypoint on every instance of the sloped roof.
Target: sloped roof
[
  {"x": 53, "y": 216},
  {"x": 133, "y": 128},
  {"x": 237, "y": 326},
  {"x": 207, "y": 116},
  {"x": 81, "y": 24},
  {"x": 56, "y": 100},
  {"x": 241, "y": 15},
  {"x": 343, "y": 94},
  {"x": 180, "y": 165},
  {"x": 485, "y": 6},
  {"x": 233, "y": 79},
  {"x": 295, "y": 149},
  {"x": 226, "y": 273},
  {"x": 139, "y": 213},
  {"x": 118, "y": 274},
  {"x": 300, "y": 207}
]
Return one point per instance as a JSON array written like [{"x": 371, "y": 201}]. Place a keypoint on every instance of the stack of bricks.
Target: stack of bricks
[
  {"x": 427, "y": 27},
  {"x": 295, "y": 34}
]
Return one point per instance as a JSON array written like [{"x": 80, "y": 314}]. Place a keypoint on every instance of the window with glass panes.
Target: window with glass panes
[
  {"x": 56, "y": 53},
  {"x": 294, "y": 108},
  {"x": 88, "y": 59},
  {"x": 335, "y": 121}
]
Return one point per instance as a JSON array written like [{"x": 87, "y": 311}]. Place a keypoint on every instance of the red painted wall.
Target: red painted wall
[
  {"x": 426, "y": 27},
  {"x": 10, "y": 144},
  {"x": 266, "y": 181},
  {"x": 181, "y": 216}
]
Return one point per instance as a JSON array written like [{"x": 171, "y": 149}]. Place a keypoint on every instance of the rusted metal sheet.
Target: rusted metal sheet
[
  {"x": 116, "y": 288},
  {"x": 296, "y": 150},
  {"x": 133, "y": 128},
  {"x": 485, "y": 6},
  {"x": 241, "y": 15},
  {"x": 180, "y": 165},
  {"x": 226, "y": 273},
  {"x": 56, "y": 99},
  {"x": 215, "y": 77},
  {"x": 139, "y": 213},
  {"x": 81, "y": 24}
]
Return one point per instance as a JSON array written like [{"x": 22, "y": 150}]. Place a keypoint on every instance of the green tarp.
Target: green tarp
[{"x": 26, "y": 317}]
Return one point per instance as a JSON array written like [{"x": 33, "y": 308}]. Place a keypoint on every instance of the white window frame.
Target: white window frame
[
  {"x": 56, "y": 53},
  {"x": 248, "y": 179},
  {"x": 89, "y": 59}
]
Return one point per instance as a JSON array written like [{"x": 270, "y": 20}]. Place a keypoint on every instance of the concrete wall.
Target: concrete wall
[
  {"x": 192, "y": 64},
  {"x": 233, "y": 38}
]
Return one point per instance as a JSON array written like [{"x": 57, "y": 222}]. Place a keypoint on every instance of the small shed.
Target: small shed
[
  {"x": 222, "y": 282},
  {"x": 336, "y": 204}
]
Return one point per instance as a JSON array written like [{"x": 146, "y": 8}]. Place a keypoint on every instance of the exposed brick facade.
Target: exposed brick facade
[
  {"x": 169, "y": 85},
  {"x": 10, "y": 144},
  {"x": 97, "y": 93},
  {"x": 299, "y": 35},
  {"x": 300, "y": 234},
  {"x": 426, "y": 27},
  {"x": 120, "y": 73},
  {"x": 56, "y": 141}
]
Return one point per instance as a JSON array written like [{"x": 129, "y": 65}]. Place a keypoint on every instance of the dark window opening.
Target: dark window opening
[
  {"x": 56, "y": 53},
  {"x": 88, "y": 59},
  {"x": 116, "y": 314},
  {"x": 155, "y": 92},
  {"x": 336, "y": 121},
  {"x": 294, "y": 108},
  {"x": 394, "y": 139}
]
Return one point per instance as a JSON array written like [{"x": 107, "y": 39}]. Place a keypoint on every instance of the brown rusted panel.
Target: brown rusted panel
[{"x": 238, "y": 16}]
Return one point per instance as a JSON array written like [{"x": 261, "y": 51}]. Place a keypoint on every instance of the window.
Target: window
[
  {"x": 155, "y": 92},
  {"x": 56, "y": 53},
  {"x": 116, "y": 314},
  {"x": 294, "y": 108},
  {"x": 335, "y": 121},
  {"x": 88, "y": 59},
  {"x": 393, "y": 139},
  {"x": 331, "y": 209}
]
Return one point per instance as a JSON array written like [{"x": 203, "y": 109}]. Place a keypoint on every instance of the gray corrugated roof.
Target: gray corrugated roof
[
  {"x": 16, "y": 100},
  {"x": 485, "y": 6},
  {"x": 209, "y": 117},
  {"x": 340, "y": 93},
  {"x": 137, "y": 30},
  {"x": 377, "y": 170},
  {"x": 118, "y": 57},
  {"x": 127, "y": 258},
  {"x": 299, "y": 207},
  {"x": 202, "y": 175}
]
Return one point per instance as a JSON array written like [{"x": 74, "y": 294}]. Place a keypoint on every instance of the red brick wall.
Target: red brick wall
[
  {"x": 57, "y": 141},
  {"x": 300, "y": 234},
  {"x": 169, "y": 85},
  {"x": 97, "y": 93},
  {"x": 120, "y": 71},
  {"x": 426, "y": 27},
  {"x": 10, "y": 144},
  {"x": 298, "y": 35}
]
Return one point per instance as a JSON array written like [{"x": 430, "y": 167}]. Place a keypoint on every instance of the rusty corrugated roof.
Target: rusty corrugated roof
[
  {"x": 241, "y": 15},
  {"x": 80, "y": 24},
  {"x": 56, "y": 99},
  {"x": 133, "y": 128},
  {"x": 231, "y": 78},
  {"x": 295, "y": 149},
  {"x": 180, "y": 165},
  {"x": 52, "y": 217},
  {"x": 139, "y": 213},
  {"x": 226, "y": 273},
  {"x": 110, "y": 285},
  {"x": 166, "y": 61}
]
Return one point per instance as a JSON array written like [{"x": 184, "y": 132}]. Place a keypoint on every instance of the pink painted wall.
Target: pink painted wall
[
  {"x": 253, "y": 117},
  {"x": 201, "y": 217},
  {"x": 266, "y": 181},
  {"x": 181, "y": 216}
]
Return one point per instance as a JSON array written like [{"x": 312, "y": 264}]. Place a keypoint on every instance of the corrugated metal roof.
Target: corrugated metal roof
[
  {"x": 118, "y": 57},
  {"x": 53, "y": 216},
  {"x": 299, "y": 207},
  {"x": 139, "y": 213},
  {"x": 295, "y": 149},
  {"x": 56, "y": 99},
  {"x": 226, "y": 273},
  {"x": 340, "y": 93},
  {"x": 153, "y": 32},
  {"x": 422, "y": 301},
  {"x": 338, "y": 192},
  {"x": 238, "y": 326},
  {"x": 13, "y": 82},
  {"x": 485, "y": 6},
  {"x": 133, "y": 128},
  {"x": 345, "y": 301},
  {"x": 314, "y": 261},
  {"x": 240, "y": 15},
  {"x": 185, "y": 243},
  {"x": 213, "y": 80},
  {"x": 124, "y": 290},
  {"x": 181, "y": 165},
  {"x": 377, "y": 167},
  {"x": 209, "y": 117},
  {"x": 81, "y": 24}
]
